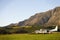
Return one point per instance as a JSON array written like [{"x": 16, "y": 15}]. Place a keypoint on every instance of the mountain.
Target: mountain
[
  {"x": 48, "y": 18},
  {"x": 55, "y": 19}
]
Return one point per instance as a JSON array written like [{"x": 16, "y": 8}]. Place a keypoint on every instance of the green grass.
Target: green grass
[{"x": 53, "y": 36}]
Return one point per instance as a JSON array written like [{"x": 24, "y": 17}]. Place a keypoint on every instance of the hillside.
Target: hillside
[{"x": 48, "y": 18}]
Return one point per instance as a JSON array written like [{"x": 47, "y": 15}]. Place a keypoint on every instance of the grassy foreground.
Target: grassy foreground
[{"x": 53, "y": 36}]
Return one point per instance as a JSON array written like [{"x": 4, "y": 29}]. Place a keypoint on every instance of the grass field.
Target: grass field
[{"x": 53, "y": 36}]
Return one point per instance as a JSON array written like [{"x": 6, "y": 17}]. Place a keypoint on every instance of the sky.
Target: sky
[{"x": 14, "y": 11}]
